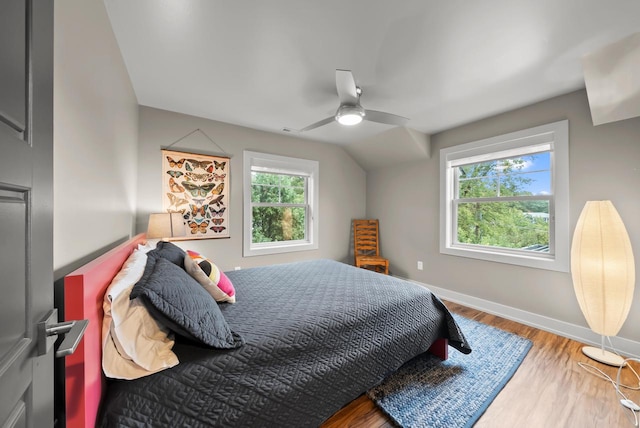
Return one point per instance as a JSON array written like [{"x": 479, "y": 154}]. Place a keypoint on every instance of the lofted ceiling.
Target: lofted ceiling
[{"x": 270, "y": 65}]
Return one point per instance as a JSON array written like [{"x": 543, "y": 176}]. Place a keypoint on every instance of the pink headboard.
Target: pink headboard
[{"x": 83, "y": 294}]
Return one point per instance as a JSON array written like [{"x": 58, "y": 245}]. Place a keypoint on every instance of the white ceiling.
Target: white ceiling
[{"x": 441, "y": 63}]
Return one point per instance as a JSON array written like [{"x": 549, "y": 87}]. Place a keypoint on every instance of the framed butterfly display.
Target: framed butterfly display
[{"x": 197, "y": 186}]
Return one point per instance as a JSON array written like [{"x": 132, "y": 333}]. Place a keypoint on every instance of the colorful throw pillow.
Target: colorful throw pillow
[{"x": 210, "y": 277}]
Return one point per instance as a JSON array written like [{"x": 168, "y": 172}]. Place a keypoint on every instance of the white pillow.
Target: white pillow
[
  {"x": 117, "y": 366},
  {"x": 133, "y": 343},
  {"x": 129, "y": 274},
  {"x": 138, "y": 335}
]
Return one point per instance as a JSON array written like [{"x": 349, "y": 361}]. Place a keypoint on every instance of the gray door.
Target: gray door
[{"x": 26, "y": 210}]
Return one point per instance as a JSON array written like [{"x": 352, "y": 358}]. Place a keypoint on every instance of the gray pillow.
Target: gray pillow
[
  {"x": 169, "y": 251},
  {"x": 179, "y": 302}
]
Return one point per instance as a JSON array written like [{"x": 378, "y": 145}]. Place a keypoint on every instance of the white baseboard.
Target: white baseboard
[{"x": 581, "y": 334}]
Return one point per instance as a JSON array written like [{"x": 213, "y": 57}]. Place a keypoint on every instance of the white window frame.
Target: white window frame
[
  {"x": 556, "y": 137},
  {"x": 264, "y": 162}
]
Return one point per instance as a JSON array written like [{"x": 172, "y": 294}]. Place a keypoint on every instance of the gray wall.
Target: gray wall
[
  {"x": 95, "y": 135},
  {"x": 107, "y": 166},
  {"x": 342, "y": 182},
  {"x": 604, "y": 164}
]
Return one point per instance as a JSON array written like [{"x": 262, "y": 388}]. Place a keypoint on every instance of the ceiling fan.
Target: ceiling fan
[{"x": 350, "y": 112}]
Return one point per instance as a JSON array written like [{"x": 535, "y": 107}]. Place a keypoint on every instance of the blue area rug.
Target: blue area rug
[{"x": 429, "y": 393}]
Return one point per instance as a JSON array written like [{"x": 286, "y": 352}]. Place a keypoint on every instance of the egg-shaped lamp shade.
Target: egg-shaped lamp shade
[{"x": 602, "y": 267}]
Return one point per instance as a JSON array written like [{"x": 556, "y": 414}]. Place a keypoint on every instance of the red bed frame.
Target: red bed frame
[{"x": 83, "y": 296}]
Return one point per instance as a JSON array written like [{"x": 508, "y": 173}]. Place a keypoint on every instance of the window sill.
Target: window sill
[
  {"x": 278, "y": 248},
  {"x": 540, "y": 261}
]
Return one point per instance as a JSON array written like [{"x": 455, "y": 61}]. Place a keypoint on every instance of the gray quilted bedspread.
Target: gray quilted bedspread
[{"x": 318, "y": 334}]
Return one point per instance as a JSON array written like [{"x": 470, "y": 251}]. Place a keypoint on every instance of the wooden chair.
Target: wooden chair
[{"x": 366, "y": 248}]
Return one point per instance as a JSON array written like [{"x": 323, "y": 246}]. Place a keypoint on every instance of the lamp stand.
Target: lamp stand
[{"x": 603, "y": 356}]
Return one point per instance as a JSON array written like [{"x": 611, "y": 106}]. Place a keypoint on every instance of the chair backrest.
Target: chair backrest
[{"x": 365, "y": 238}]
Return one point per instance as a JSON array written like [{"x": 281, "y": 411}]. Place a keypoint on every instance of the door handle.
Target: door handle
[{"x": 49, "y": 328}]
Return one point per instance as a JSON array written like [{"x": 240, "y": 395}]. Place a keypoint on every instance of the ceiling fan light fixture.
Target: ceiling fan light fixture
[{"x": 350, "y": 115}]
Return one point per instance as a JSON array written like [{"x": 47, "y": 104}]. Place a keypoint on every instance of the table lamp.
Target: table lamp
[{"x": 165, "y": 226}]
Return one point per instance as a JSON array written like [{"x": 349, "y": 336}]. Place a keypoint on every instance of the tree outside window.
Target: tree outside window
[
  {"x": 278, "y": 207},
  {"x": 505, "y": 203}
]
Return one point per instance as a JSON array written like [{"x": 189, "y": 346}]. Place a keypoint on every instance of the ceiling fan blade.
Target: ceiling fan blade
[
  {"x": 318, "y": 124},
  {"x": 346, "y": 86},
  {"x": 386, "y": 118}
]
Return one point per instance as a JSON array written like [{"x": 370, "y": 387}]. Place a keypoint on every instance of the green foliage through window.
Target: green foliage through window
[
  {"x": 505, "y": 203},
  {"x": 279, "y": 207},
  {"x": 275, "y": 224}
]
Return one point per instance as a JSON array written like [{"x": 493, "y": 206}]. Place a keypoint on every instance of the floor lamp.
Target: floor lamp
[{"x": 603, "y": 273}]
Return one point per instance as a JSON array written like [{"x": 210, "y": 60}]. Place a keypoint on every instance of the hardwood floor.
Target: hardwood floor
[{"x": 548, "y": 390}]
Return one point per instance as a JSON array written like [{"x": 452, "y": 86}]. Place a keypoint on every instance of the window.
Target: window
[
  {"x": 280, "y": 204},
  {"x": 506, "y": 198}
]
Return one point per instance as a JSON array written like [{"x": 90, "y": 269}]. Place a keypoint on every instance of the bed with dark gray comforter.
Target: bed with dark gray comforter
[{"x": 317, "y": 335}]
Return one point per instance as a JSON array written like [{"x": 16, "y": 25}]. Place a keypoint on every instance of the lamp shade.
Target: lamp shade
[
  {"x": 165, "y": 225},
  {"x": 602, "y": 267}
]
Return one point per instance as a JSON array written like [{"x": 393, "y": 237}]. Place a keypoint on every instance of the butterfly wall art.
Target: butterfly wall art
[{"x": 197, "y": 186}]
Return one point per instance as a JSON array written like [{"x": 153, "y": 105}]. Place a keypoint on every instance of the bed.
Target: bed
[{"x": 315, "y": 335}]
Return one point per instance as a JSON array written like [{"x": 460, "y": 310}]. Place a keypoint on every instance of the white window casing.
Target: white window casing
[
  {"x": 552, "y": 138},
  {"x": 276, "y": 164}
]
